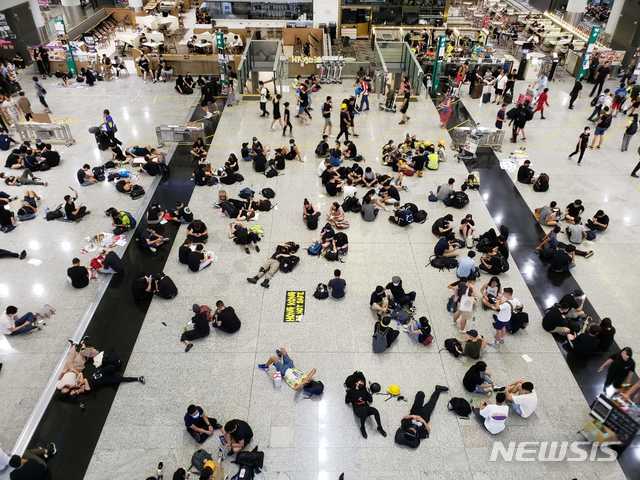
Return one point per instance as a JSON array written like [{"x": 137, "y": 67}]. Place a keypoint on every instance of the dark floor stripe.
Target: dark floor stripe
[
  {"x": 114, "y": 326},
  {"x": 507, "y": 207}
]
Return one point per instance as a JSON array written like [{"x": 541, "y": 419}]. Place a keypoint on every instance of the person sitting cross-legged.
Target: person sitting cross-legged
[{"x": 198, "y": 424}]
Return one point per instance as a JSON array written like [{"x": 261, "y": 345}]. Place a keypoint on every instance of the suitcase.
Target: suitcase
[
  {"x": 486, "y": 97},
  {"x": 507, "y": 98},
  {"x": 476, "y": 92}
]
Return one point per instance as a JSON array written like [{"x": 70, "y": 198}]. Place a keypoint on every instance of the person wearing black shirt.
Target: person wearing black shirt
[
  {"x": 198, "y": 424},
  {"x": 389, "y": 193},
  {"x": 360, "y": 400},
  {"x": 286, "y": 120},
  {"x": 397, "y": 291},
  {"x": 416, "y": 426},
  {"x": 620, "y": 368},
  {"x": 85, "y": 176},
  {"x": 33, "y": 464},
  {"x": 573, "y": 211},
  {"x": 337, "y": 285},
  {"x": 237, "y": 434},
  {"x": 70, "y": 210},
  {"x": 442, "y": 227},
  {"x": 606, "y": 335},
  {"x": 345, "y": 121},
  {"x": 601, "y": 77},
  {"x": 575, "y": 91},
  {"x": 200, "y": 323},
  {"x": 562, "y": 259},
  {"x": 477, "y": 379},
  {"x": 525, "y": 173},
  {"x": 197, "y": 232},
  {"x": 225, "y": 318},
  {"x": 78, "y": 275},
  {"x": 326, "y": 114},
  {"x": 583, "y": 142},
  {"x": 599, "y": 222},
  {"x": 585, "y": 344},
  {"x": 554, "y": 321}
]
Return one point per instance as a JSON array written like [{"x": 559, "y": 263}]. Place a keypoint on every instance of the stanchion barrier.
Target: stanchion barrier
[{"x": 46, "y": 132}]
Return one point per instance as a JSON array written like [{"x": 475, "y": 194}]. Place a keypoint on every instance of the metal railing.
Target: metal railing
[
  {"x": 180, "y": 133},
  {"x": 473, "y": 137}
]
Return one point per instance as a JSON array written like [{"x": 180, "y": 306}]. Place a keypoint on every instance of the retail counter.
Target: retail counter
[{"x": 193, "y": 64}]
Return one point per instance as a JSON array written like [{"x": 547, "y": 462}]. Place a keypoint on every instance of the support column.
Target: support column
[
  {"x": 38, "y": 20},
  {"x": 614, "y": 16},
  {"x": 575, "y": 11}
]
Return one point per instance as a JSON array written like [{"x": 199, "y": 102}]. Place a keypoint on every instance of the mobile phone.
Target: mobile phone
[{"x": 278, "y": 353}]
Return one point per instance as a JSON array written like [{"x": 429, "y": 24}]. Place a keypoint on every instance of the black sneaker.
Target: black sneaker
[
  {"x": 253, "y": 280},
  {"x": 142, "y": 380},
  {"x": 188, "y": 347},
  {"x": 23, "y": 254},
  {"x": 363, "y": 432},
  {"x": 381, "y": 431},
  {"x": 441, "y": 388},
  {"x": 499, "y": 389},
  {"x": 265, "y": 283}
]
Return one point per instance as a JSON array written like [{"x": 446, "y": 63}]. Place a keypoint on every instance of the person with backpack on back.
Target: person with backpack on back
[
  {"x": 417, "y": 425},
  {"x": 122, "y": 221}
]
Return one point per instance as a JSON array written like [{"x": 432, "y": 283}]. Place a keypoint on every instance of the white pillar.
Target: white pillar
[
  {"x": 614, "y": 16},
  {"x": 38, "y": 19},
  {"x": 136, "y": 4},
  {"x": 70, "y": 3},
  {"x": 325, "y": 11},
  {"x": 575, "y": 11}
]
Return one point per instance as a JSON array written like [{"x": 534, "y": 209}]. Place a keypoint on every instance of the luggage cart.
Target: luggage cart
[
  {"x": 46, "y": 132},
  {"x": 179, "y": 133}
]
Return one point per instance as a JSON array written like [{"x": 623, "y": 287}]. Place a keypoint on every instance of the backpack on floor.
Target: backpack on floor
[
  {"x": 246, "y": 193},
  {"x": 501, "y": 263},
  {"x": 453, "y": 346},
  {"x": 519, "y": 321},
  {"x": 542, "y": 183},
  {"x": 98, "y": 173},
  {"x": 268, "y": 193},
  {"x": 459, "y": 406},
  {"x": 137, "y": 191},
  {"x": 54, "y": 214},
  {"x": 314, "y": 249},
  {"x": 289, "y": 263},
  {"x": 443, "y": 263},
  {"x": 5, "y": 143},
  {"x": 199, "y": 458},
  {"x": 322, "y": 292},
  {"x": 457, "y": 200},
  {"x": 312, "y": 222}
]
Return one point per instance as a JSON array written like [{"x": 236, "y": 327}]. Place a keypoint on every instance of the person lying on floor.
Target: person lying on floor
[
  {"x": 417, "y": 425},
  {"x": 27, "y": 178},
  {"x": 360, "y": 399},
  {"x": 107, "y": 262},
  {"x": 243, "y": 236},
  {"x": 85, "y": 176},
  {"x": 283, "y": 253},
  {"x": 283, "y": 364},
  {"x": 106, "y": 375},
  {"x": 9, "y": 254},
  {"x": 29, "y": 207}
]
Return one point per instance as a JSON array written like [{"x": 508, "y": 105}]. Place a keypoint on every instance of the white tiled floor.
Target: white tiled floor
[
  {"x": 41, "y": 278},
  {"x": 319, "y": 439}
]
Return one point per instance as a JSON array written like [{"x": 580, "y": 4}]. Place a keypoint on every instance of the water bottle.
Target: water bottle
[{"x": 277, "y": 379}]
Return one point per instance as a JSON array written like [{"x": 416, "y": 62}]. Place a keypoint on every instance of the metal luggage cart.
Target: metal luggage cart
[
  {"x": 477, "y": 137},
  {"x": 179, "y": 133},
  {"x": 47, "y": 132}
]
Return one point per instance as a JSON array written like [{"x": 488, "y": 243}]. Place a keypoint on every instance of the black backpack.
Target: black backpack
[
  {"x": 457, "y": 200},
  {"x": 322, "y": 292},
  {"x": 289, "y": 263},
  {"x": 519, "y": 321},
  {"x": 459, "y": 406},
  {"x": 453, "y": 346},
  {"x": 312, "y": 222},
  {"x": 443, "y": 263},
  {"x": 98, "y": 172},
  {"x": 542, "y": 183},
  {"x": 230, "y": 209},
  {"x": 271, "y": 172},
  {"x": 322, "y": 149},
  {"x": 420, "y": 216},
  {"x": 268, "y": 193}
]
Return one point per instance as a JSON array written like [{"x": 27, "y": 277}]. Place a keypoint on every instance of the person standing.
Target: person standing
[
  {"x": 109, "y": 126},
  {"x": 287, "y": 120},
  {"x": 25, "y": 106},
  {"x": 604, "y": 122},
  {"x": 543, "y": 101},
  {"x": 598, "y": 105},
  {"x": 601, "y": 77},
  {"x": 327, "y": 106},
  {"x": 275, "y": 105},
  {"x": 41, "y": 92},
  {"x": 575, "y": 91},
  {"x": 630, "y": 131},
  {"x": 500, "y": 116},
  {"x": 344, "y": 122},
  {"x": 583, "y": 142},
  {"x": 364, "y": 84},
  {"x": 264, "y": 96},
  {"x": 404, "y": 108},
  {"x": 501, "y": 85}
]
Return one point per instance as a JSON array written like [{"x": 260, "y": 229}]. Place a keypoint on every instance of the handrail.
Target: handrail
[{"x": 87, "y": 24}]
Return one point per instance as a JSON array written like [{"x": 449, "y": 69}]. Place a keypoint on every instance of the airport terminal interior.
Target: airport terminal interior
[{"x": 319, "y": 240}]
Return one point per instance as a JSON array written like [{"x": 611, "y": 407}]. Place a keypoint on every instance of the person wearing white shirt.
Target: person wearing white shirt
[
  {"x": 349, "y": 190},
  {"x": 501, "y": 84},
  {"x": 494, "y": 416},
  {"x": 523, "y": 398},
  {"x": 237, "y": 44},
  {"x": 264, "y": 94},
  {"x": 505, "y": 307}
]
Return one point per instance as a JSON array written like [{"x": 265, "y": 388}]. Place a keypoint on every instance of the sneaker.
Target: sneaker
[
  {"x": 634, "y": 175},
  {"x": 263, "y": 366},
  {"x": 188, "y": 347},
  {"x": 142, "y": 380},
  {"x": 441, "y": 388},
  {"x": 589, "y": 254},
  {"x": 23, "y": 254},
  {"x": 246, "y": 250},
  {"x": 363, "y": 432},
  {"x": 381, "y": 431},
  {"x": 499, "y": 389},
  {"x": 253, "y": 280},
  {"x": 265, "y": 283},
  {"x": 257, "y": 248}
]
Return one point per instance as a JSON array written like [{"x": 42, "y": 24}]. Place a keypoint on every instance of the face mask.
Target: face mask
[{"x": 195, "y": 415}]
